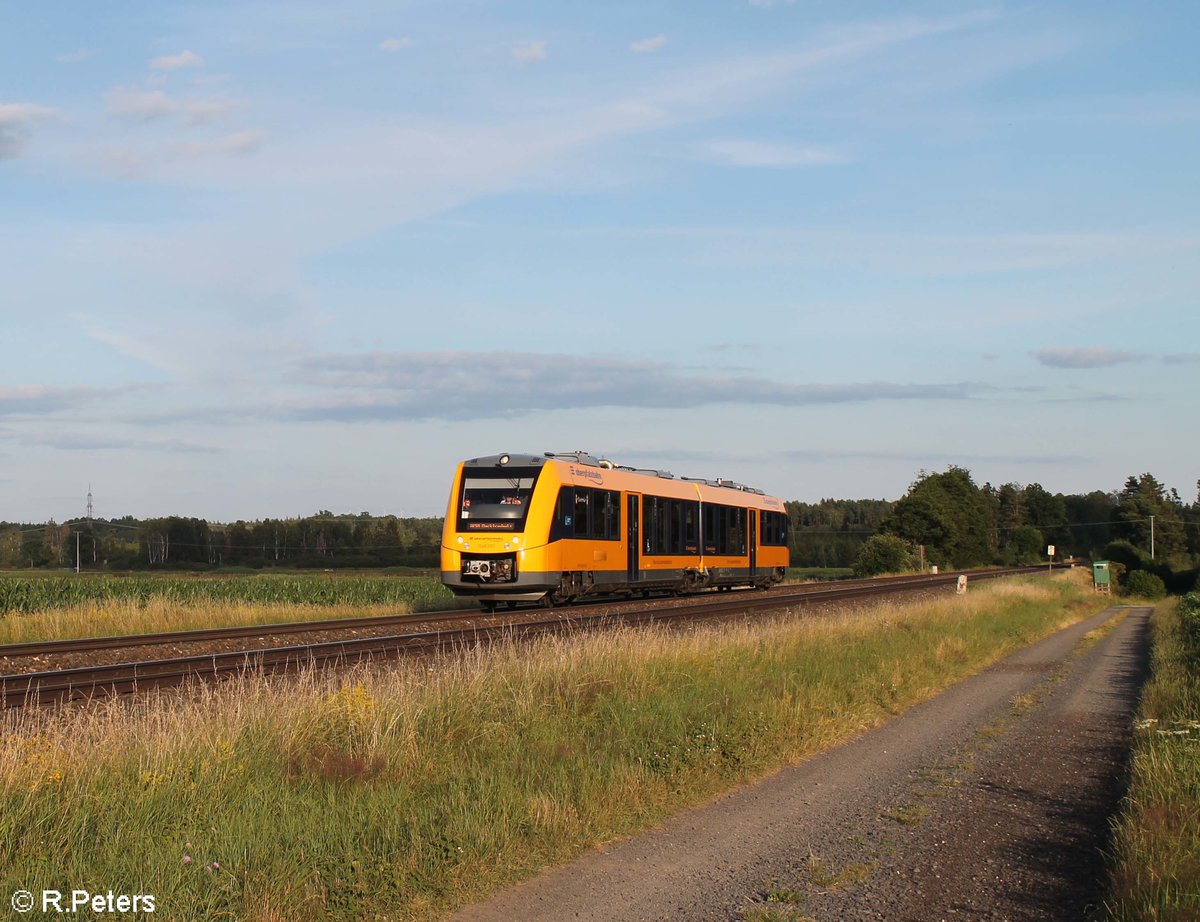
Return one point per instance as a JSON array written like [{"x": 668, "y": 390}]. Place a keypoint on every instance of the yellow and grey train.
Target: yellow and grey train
[{"x": 554, "y": 528}]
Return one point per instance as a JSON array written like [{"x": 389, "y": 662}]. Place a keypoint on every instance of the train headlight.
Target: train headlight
[
  {"x": 459, "y": 539},
  {"x": 504, "y": 459}
]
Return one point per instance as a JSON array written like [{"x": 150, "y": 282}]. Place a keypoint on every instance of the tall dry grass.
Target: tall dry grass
[
  {"x": 402, "y": 790},
  {"x": 96, "y": 619},
  {"x": 1155, "y": 859}
]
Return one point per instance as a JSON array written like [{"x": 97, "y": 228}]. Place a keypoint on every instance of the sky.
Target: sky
[{"x": 259, "y": 259}]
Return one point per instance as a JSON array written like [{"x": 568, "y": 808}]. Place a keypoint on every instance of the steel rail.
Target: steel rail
[{"x": 124, "y": 678}]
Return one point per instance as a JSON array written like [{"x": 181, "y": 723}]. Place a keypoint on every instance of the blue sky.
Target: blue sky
[{"x": 259, "y": 259}]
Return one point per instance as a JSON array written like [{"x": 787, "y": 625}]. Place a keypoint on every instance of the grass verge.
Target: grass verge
[
  {"x": 1155, "y": 856},
  {"x": 400, "y": 792}
]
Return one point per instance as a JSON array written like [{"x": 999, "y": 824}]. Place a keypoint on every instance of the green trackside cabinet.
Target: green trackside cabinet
[{"x": 1100, "y": 576}]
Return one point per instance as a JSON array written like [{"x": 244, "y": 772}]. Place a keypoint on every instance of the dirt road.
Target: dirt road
[{"x": 966, "y": 807}]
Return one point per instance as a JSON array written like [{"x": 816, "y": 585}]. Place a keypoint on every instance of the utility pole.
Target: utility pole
[
  {"x": 91, "y": 531},
  {"x": 1151, "y": 537}
]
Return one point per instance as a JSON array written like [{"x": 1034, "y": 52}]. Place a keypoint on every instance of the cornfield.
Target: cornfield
[{"x": 20, "y": 595}]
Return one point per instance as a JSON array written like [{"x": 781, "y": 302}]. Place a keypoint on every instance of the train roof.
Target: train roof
[{"x": 584, "y": 459}]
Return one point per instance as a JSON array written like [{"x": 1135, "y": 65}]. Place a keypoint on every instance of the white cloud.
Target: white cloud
[
  {"x": 395, "y": 44},
  {"x": 76, "y": 442},
  {"x": 124, "y": 102},
  {"x": 74, "y": 57},
  {"x": 750, "y": 153},
  {"x": 645, "y": 45},
  {"x": 389, "y": 386},
  {"x": 531, "y": 51},
  {"x": 38, "y": 399},
  {"x": 1084, "y": 357},
  {"x": 238, "y": 142},
  {"x": 16, "y": 120},
  {"x": 177, "y": 61},
  {"x": 148, "y": 105}
]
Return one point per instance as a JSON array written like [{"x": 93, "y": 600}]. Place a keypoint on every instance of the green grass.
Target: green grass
[
  {"x": 907, "y": 814},
  {"x": 24, "y": 594},
  {"x": 829, "y": 878},
  {"x": 403, "y": 791},
  {"x": 60, "y": 607},
  {"x": 1155, "y": 860},
  {"x": 784, "y": 895}
]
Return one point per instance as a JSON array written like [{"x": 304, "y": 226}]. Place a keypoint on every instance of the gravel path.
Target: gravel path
[{"x": 964, "y": 807}]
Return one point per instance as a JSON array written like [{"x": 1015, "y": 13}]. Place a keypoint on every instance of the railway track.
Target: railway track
[{"x": 48, "y": 686}]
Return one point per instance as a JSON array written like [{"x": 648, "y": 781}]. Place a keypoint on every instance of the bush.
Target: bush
[
  {"x": 1189, "y": 619},
  {"x": 1132, "y": 558},
  {"x": 883, "y": 554},
  {"x": 1145, "y": 584},
  {"x": 1026, "y": 545}
]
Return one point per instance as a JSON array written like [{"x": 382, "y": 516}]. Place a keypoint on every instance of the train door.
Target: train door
[
  {"x": 752, "y": 525},
  {"x": 633, "y": 537}
]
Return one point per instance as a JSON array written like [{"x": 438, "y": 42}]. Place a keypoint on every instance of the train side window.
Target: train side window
[
  {"x": 582, "y": 512},
  {"x": 774, "y": 529},
  {"x": 600, "y": 514},
  {"x": 676, "y": 528},
  {"x": 565, "y": 508},
  {"x": 612, "y": 515}
]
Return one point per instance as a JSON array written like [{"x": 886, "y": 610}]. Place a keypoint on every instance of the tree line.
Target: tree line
[
  {"x": 323, "y": 540},
  {"x": 944, "y": 519},
  {"x": 949, "y": 521}
]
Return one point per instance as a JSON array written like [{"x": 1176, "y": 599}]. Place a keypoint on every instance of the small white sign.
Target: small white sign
[{"x": 1049, "y": 550}]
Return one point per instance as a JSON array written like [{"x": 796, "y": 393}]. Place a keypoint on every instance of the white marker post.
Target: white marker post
[{"x": 1050, "y": 554}]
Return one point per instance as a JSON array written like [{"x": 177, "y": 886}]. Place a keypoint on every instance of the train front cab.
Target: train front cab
[{"x": 494, "y": 537}]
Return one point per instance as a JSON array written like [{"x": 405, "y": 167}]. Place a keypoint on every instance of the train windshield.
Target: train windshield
[{"x": 495, "y": 500}]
